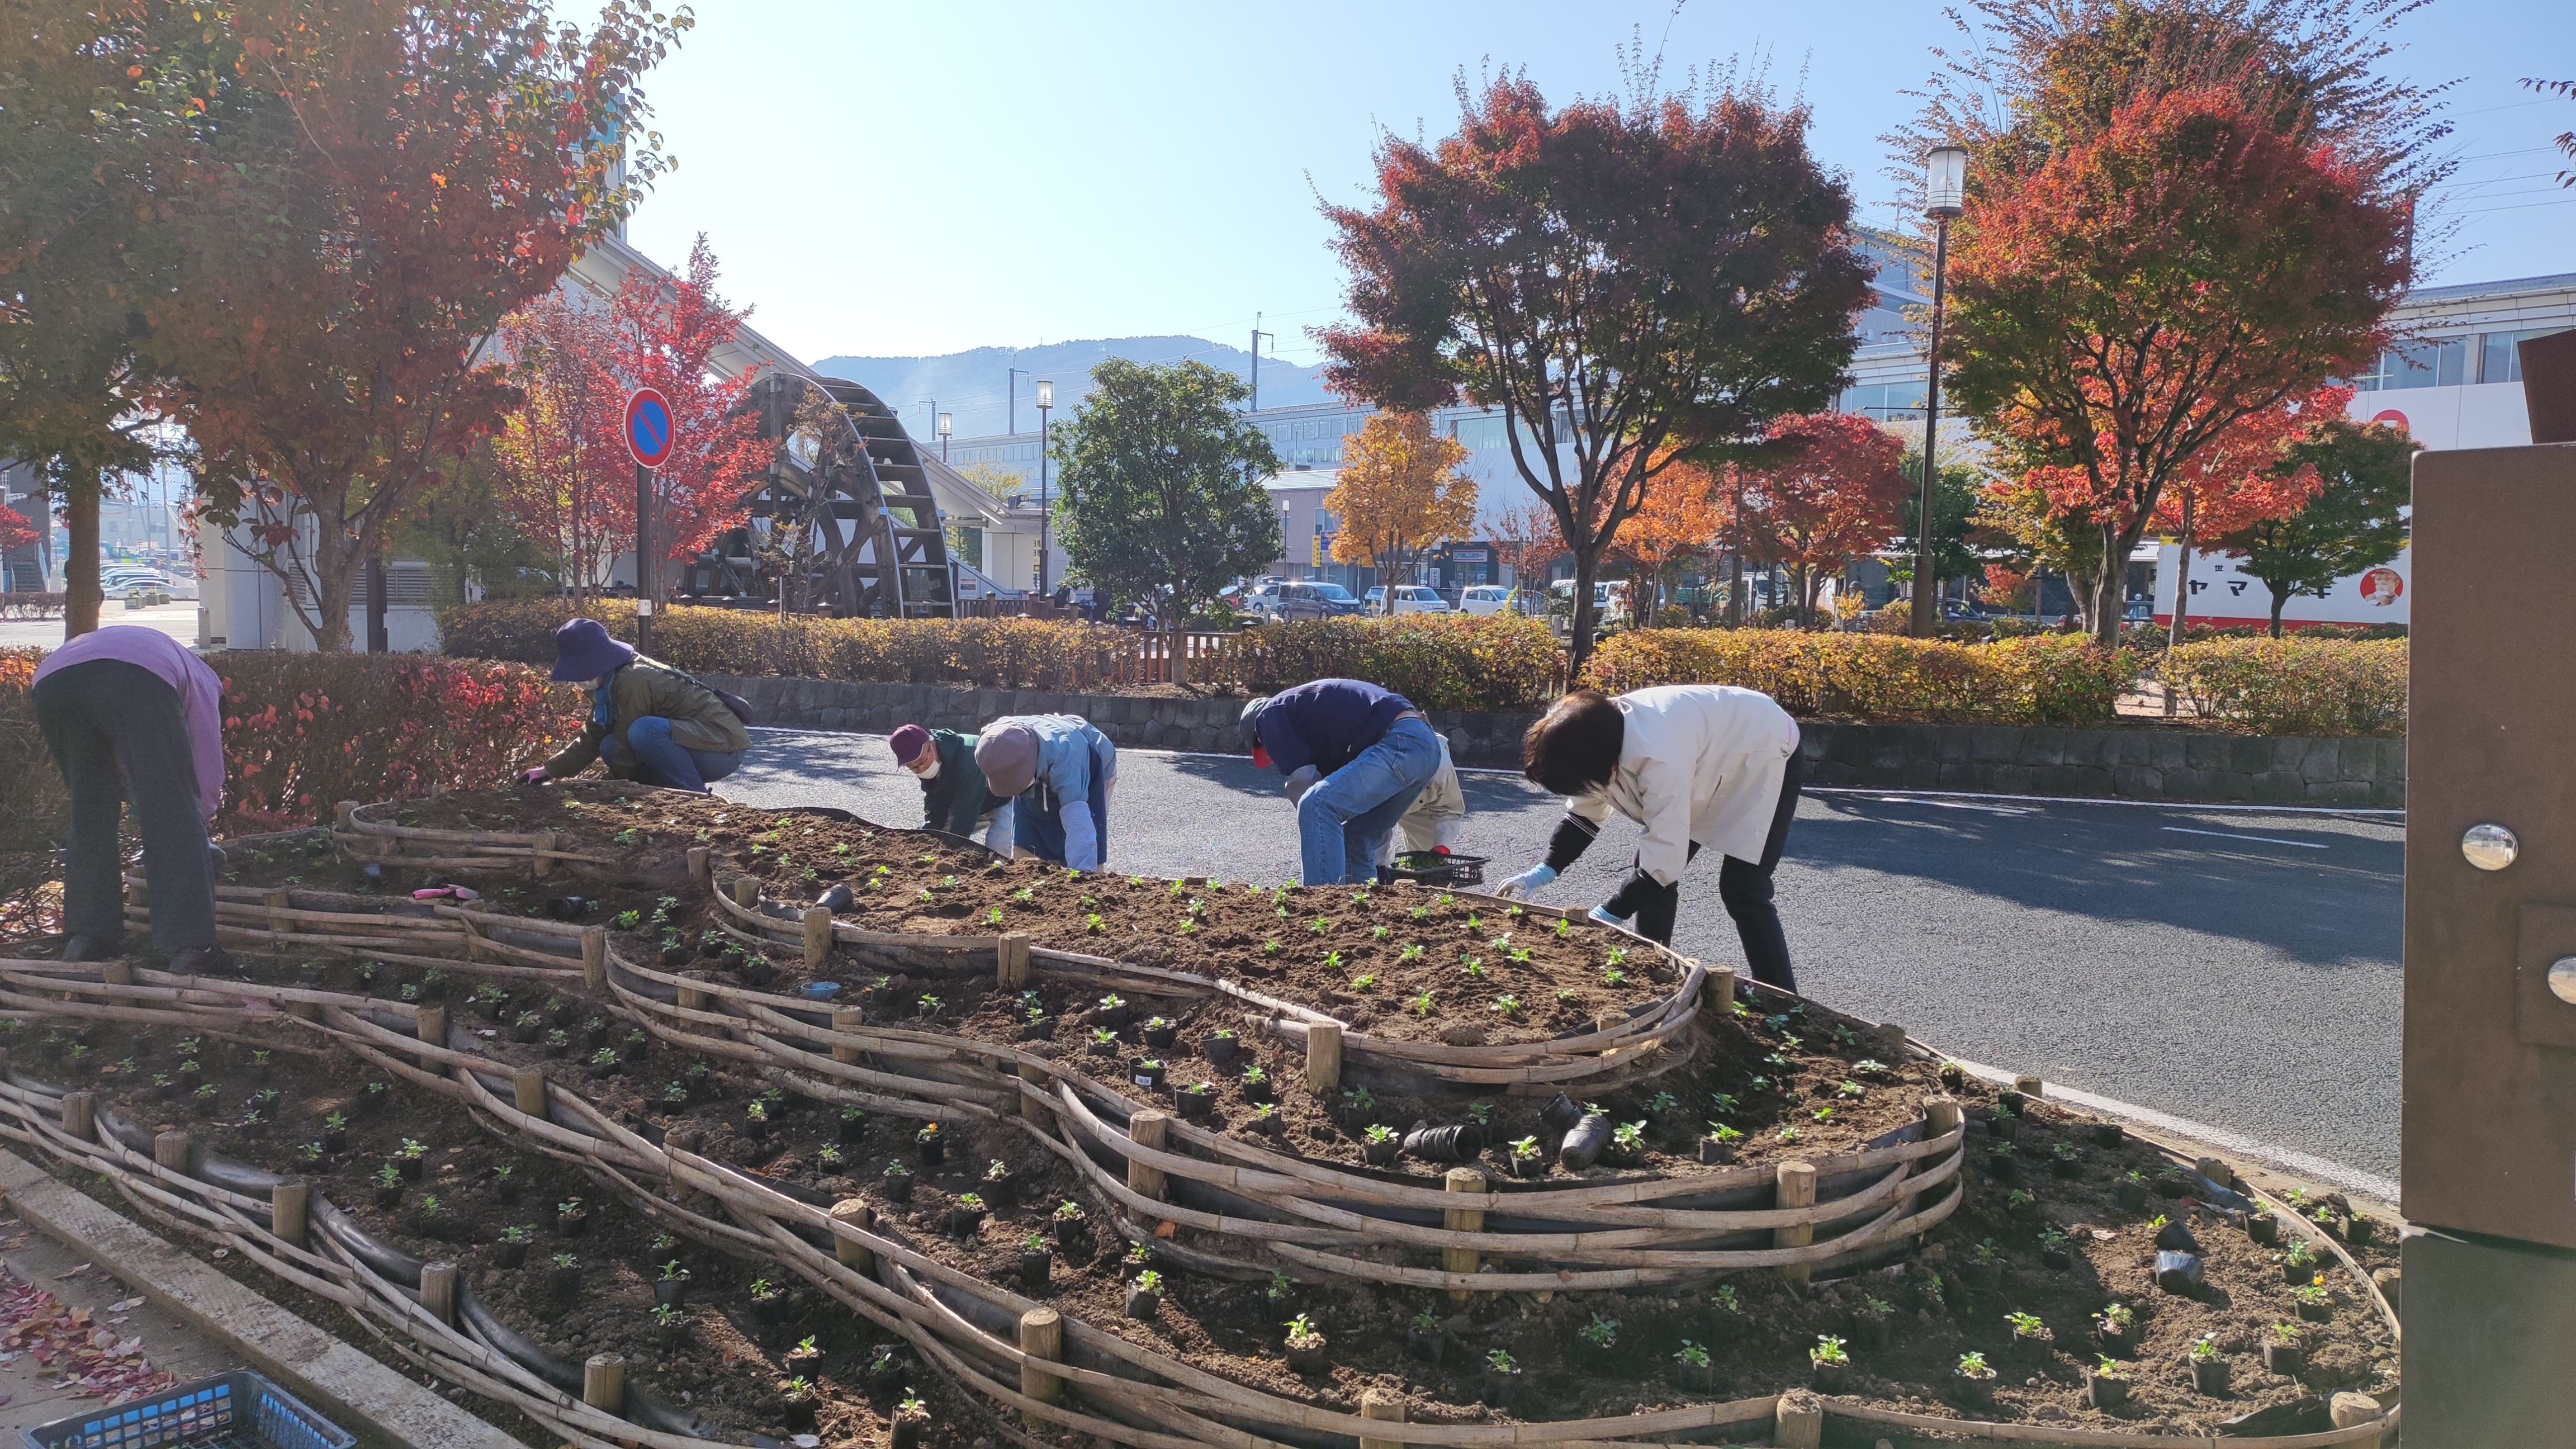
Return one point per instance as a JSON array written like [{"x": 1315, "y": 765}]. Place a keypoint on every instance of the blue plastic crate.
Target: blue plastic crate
[{"x": 236, "y": 1410}]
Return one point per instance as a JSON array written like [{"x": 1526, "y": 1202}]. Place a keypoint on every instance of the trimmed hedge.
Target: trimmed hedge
[
  {"x": 2295, "y": 686},
  {"x": 2049, "y": 680},
  {"x": 1499, "y": 661}
]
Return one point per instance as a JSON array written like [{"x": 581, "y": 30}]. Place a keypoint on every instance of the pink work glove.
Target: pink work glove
[{"x": 535, "y": 776}]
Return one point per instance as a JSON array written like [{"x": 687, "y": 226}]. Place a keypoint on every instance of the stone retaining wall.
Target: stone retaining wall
[{"x": 2146, "y": 764}]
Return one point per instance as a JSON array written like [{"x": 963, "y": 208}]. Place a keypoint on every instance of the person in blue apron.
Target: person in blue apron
[{"x": 1056, "y": 770}]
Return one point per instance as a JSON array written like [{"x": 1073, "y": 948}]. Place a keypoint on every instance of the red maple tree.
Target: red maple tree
[
  {"x": 2236, "y": 483},
  {"x": 560, "y": 470},
  {"x": 1837, "y": 494},
  {"x": 15, "y": 530},
  {"x": 662, "y": 331}
]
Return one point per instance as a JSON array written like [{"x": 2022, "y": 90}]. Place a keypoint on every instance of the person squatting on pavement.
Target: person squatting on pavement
[
  {"x": 954, "y": 797},
  {"x": 1435, "y": 820},
  {"x": 1056, "y": 771},
  {"x": 131, "y": 716},
  {"x": 648, "y": 721},
  {"x": 1694, "y": 765},
  {"x": 1355, "y": 756}
]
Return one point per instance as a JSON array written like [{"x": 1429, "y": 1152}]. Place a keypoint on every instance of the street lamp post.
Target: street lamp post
[
  {"x": 1046, "y": 401},
  {"x": 947, "y": 425},
  {"x": 1945, "y": 188},
  {"x": 1011, "y": 389}
]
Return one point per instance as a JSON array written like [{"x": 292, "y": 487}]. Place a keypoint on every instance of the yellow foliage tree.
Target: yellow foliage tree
[{"x": 1402, "y": 488}]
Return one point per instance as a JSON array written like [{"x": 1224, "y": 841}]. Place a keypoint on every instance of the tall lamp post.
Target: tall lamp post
[
  {"x": 947, "y": 425},
  {"x": 1011, "y": 390},
  {"x": 1046, "y": 401},
  {"x": 1945, "y": 191}
]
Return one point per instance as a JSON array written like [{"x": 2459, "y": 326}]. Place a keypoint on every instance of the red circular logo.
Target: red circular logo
[
  {"x": 2390, "y": 416},
  {"x": 2381, "y": 586}
]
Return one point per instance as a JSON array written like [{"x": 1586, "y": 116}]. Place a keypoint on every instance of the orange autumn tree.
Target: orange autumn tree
[
  {"x": 2237, "y": 482},
  {"x": 1401, "y": 488},
  {"x": 1837, "y": 494},
  {"x": 1526, "y": 541},
  {"x": 1678, "y": 523}
]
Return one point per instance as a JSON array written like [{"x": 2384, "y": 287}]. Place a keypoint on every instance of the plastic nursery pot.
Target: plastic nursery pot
[
  {"x": 1308, "y": 1356},
  {"x": 2033, "y": 1348},
  {"x": 1001, "y": 1192},
  {"x": 1827, "y": 1378},
  {"x": 408, "y": 1167},
  {"x": 898, "y": 1187},
  {"x": 1147, "y": 1074},
  {"x": 1257, "y": 1089},
  {"x": 2176, "y": 1236},
  {"x": 1112, "y": 1017},
  {"x": 1500, "y": 1386},
  {"x": 1530, "y": 1167},
  {"x": 335, "y": 1140},
  {"x": 2316, "y": 1312},
  {"x": 594, "y": 1035},
  {"x": 1072, "y": 1233},
  {"x": 1560, "y": 1113},
  {"x": 2263, "y": 1228},
  {"x": 1460, "y": 1143},
  {"x": 1037, "y": 1268},
  {"x": 670, "y": 1291},
  {"x": 2003, "y": 1127},
  {"x": 2284, "y": 1359},
  {"x": 2103, "y": 1391},
  {"x": 1143, "y": 1303},
  {"x": 1584, "y": 1145},
  {"x": 2178, "y": 1273},
  {"x": 1868, "y": 1330},
  {"x": 929, "y": 1148},
  {"x": 2068, "y": 1168},
  {"x": 770, "y": 1308},
  {"x": 507, "y": 1254},
  {"x": 905, "y": 1433},
  {"x": 1270, "y": 1124},
  {"x": 1161, "y": 1036},
  {"x": 563, "y": 1279},
  {"x": 2056, "y": 1257},
  {"x": 963, "y": 1220},
  {"x": 2118, "y": 1340},
  {"x": 505, "y": 1187},
  {"x": 1102, "y": 1046},
  {"x": 800, "y": 1413},
  {"x": 1972, "y": 1391},
  {"x": 2131, "y": 1196},
  {"x": 2209, "y": 1376},
  {"x": 1379, "y": 1153},
  {"x": 1195, "y": 1102},
  {"x": 2109, "y": 1134},
  {"x": 1221, "y": 1050},
  {"x": 2357, "y": 1230},
  {"x": 388, "y": 1195},
  {"x": 1038, "y": 1028},
  {"x": 573, "y": 1225},
  {"x": 2002, "y": 1166},
  {"x": 1715, "y": 1151},
  {"x": 1425, "y": 1344}
]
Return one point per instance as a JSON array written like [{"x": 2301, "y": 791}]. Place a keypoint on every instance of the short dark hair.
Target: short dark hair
[{"x": 1574, "y": 747}]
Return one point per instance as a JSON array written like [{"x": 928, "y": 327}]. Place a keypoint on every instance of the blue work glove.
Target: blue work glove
[{"x": 1526, "y": 882}]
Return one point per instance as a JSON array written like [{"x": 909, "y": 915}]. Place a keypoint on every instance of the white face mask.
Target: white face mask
[{"x": 928, "y": 771}]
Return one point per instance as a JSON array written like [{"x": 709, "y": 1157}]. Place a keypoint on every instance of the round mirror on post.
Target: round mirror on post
[
  {"x": 2562, "y": 979},
  {"x": 2489, "y": 847}
]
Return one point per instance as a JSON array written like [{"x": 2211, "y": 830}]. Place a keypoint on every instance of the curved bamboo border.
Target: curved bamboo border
[{"x": 902, "y": 1294}]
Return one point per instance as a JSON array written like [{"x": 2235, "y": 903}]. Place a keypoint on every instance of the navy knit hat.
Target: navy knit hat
[{"x": 583, "y": 650}]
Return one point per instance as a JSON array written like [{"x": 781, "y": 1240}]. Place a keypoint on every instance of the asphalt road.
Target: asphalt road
[{"x": 2236, "y": 970}]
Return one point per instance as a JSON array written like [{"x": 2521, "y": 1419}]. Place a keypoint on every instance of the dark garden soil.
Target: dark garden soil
[{"x": 1763, "y": 1073}]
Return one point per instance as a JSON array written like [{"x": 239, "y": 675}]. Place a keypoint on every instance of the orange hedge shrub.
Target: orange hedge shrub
[
  {"x": 2047, "y": 680},
  {"x": 1438, "y": 661},
  {"x": 2295, "y": 686}
]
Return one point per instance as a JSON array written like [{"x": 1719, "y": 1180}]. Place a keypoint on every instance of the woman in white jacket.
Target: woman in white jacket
[{"x": 1694, "y": 765}]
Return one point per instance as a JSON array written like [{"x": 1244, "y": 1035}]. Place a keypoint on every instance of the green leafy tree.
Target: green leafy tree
[
  {"x": 1956, "y": 492},
  {"x": 2367, "y": 472},
  {"x": 1633, "y": 282},
  {"x": 1161, "y": 487}
]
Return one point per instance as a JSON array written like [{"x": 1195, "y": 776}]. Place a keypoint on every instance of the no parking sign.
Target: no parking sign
[{"x": 648, "y": 427}]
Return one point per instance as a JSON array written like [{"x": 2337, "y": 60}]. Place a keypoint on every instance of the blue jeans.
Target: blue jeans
[
  {"x": 1343, "y": 820},
  {"x": 656, "y": 760},
  {"x": 1037, "y": 817}
]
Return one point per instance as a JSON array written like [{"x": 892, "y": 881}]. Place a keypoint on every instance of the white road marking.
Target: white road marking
[
  {"x": 1953, "y": 805},
  {"x": 2231, "y": 835}
]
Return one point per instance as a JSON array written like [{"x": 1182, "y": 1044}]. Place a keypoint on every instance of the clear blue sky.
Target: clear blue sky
[{"x": 919, "y": 178}]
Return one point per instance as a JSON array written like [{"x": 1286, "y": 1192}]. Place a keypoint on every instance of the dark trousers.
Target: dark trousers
[
  {"x": 116, "y": 731},
  {"x": 1743, "y": 885}
]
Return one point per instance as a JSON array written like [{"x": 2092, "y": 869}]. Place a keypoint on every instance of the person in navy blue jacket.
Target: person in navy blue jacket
[{"x": 1355, "y": 756}]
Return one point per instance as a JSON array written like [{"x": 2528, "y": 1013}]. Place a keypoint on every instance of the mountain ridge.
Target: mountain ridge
[{"x": 976, "y": 387}]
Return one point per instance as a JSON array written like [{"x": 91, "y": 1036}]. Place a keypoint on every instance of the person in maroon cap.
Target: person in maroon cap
[{"x": 953, "y": 794}]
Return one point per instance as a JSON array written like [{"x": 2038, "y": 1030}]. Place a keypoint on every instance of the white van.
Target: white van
[
  {"x": 1409, "y": 599},
  {"x": 1483, "y": 599}
]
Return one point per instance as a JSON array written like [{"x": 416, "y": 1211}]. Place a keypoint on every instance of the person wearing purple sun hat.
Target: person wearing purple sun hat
[{"x": 648, "y": 721}]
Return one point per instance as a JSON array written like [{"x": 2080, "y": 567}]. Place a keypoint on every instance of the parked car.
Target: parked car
[
  {"x": 1483, "y": 599},
  {"x": 1299, "y": 599},
  {"x": 1609, "y": 597},
  {"x": 1409, "y": 599}
]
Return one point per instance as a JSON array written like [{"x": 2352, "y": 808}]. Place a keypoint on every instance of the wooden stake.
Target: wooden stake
[
  {"x": 1797, "y": 1189},
  {"x": 1011, "y": 961},
  {"x": 603, "y": 1382},
  {"x": 280, "y": 919},
  {"x": 700, "y": 873},
  {"x": 542, "y": 855},
  {"x": 438, "y": 1291},
  {"x": 694, "y": 998},
  {"x": 746, "y": 892},
  {"x": 173, "y": 1150},
  {"x": 345, "y": 814},
  {"x": 1940, "y": 1115},
  {"x": 80, "y": 1116},
  {"x": 818, "y": 938},
  {"x": 1147, "y": 1129},
  {"x": 848, "y": 1018},
  {"x": 1798, "y": 1421},
  {"x": 290, "y": 1204},
  {"x": 119, "y": 972},
  {"x": 2350, "y": 1410},
  {"x": 1036, "y": 1076},
  {"x": 1386, "y": 1408},
  {"x": 432, "y": 1023},
  {"x": 1323, "y": 1056},
  {"x": 528, "y": 1092},
  {"x": 594, "y": 957},
  {"x": 856, "y": 1213},
  {"x": 1721, "y": 989},
  {"x": 1041, "y": 1336},
  {"x": 1462, "y": 1220},
  {"x": 2029, "y": 1086}
]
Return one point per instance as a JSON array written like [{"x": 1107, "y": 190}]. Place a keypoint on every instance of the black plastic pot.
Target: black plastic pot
[
  {"x": 2357, "y": 1230},
  {"x": 2109, "y": 1134},
  {"x": 771, "y": 1310},
  {"x": 1099, "y": 1048},
  {"x": 1112, "y": 1017},
  {"x": 1194, "y": 1104},
  {"x": 594, "y": 1035},
  {"x": 1827, "y": 1378},
  {"x": 904, "y": 1434},
  {"x": 2286, "y": 1359},
  {"x": 1461, "y": 1143},
  {"x": 507, "y": 1254},
  {"x": 2178, "y": 1273},
  {"x": 2068, "y": 1168},
  {"x": 1869, "y": 1330},
  {"x": 2176, "y": 1237},
  {"x": 1529, "y": 1167},
  {"x": 1973, "y": 1391},
  {"x": 851, "y": 1130},
  {"x": 1148, "y": 1075},
  {"x": 1038, "y": 1029},
  {"x": 572, "y": 1225},
  {"x": 1037, "y": 1267},
  {"x": 408, "y": 1167},
  {"x": 2057, "y": 1259},
  {"x": 672, "y": 1334},
  {"x": 1499, "y": 1387},
  {"x": 563, "y": 1282},
  {"x": 1309, "y": 1356},
  {"x": 2003, "y": 1167},
  {"x": 2316, "y": 1312},
  {"x": 800, "y": 1415},
  {"x": 1560, "y": 1113},
  {"x": 1142, "y": 1305},
  {"x": 1072, "y": 1233},
  {"x": 898, "y": 1187},
  {"x": 2209, "y": 1376},
  {"x": 2116, "y": 1341},
  {"x": 1584, "y": 1144},
  {"x": 2131, "y": 1196},
  {"x": 335, "y": 1140},
  {"x": 964, "y": 1220},
  {"x": 1223, "y": 1051},
  {"x": 2103, "y": 1392},
  {"x": 2263, "y": 1228},
  {"x": 2004, "y": 1128},
  {"x": 1426, "y": 1343},
  {"x": 672, "y": 1291},
  {"x": 1714, "y": 1153},
  {"x": 1379, "y": 1154},
  {"x": 1264, "y": 1090},
  {"x": 930, "y": 1151},
  {"x": 389, "y": 1197},
  {"x": 1161, "y": 1036},
  {"x": 1000, "y": 1192},
  {"x": 1270, "y": 1125}
]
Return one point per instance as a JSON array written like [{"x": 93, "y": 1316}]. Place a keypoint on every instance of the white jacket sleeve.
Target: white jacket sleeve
[
  {"x": 1663, "y": 850},
  {"x": 1081, "y": 836}
]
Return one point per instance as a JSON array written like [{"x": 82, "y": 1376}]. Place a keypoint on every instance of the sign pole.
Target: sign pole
[{"x": 644, "y": 571}]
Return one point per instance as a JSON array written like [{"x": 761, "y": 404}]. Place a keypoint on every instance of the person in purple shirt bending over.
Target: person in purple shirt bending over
[
  {"x": 131, "y": 716},
  {"x": 1355, "y": 756}
]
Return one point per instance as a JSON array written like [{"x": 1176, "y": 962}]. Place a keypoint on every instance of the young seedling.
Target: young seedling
[
  {"x": 1601, "y": 1333},
  {"x": 1828, "y": 1349},
  {"x": 2204, "y": 1349}
]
